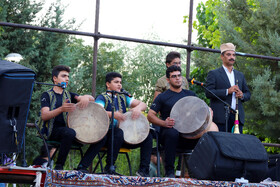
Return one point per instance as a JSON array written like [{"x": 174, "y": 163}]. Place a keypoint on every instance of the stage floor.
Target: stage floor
[
  {"x": 76, "y": 178},
  {"x": 69, "y": 178}
]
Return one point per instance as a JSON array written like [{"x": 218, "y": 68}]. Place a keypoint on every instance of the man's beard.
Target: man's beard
[{"x": 175, "y": 86}]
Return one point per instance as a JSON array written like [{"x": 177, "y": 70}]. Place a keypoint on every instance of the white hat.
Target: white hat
[{"x": 227, "y": 47}]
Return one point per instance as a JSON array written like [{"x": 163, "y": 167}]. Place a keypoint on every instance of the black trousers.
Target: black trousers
[
  {"x": 92, "y": 152},
  {"x": 66, "y": 136},
  {"x": 145, "y": 148},
  {"x": 231, "y": 119},
  {"x": 171, "y": 140}
]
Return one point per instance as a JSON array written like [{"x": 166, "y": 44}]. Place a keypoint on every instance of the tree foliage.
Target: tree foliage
[
  {"x": 41, "y": 50},
  {"x": 252, "y": 26},
  {"x": 207, "y": 24}
]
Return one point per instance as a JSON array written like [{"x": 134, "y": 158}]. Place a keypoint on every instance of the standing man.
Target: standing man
[
  {"x": 172, "y": 58},
  {"x": 55, "y": 105},
  {"x": 122, "y": 102},
  {"x": 223, "y": 83},
  {"x": 163, "y": 103}
]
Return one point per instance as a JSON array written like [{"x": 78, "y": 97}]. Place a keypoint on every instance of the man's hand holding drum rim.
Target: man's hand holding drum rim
[{"x": 169, "y": 122}]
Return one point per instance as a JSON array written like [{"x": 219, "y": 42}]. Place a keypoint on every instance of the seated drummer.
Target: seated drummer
[
  {"x": 163, "y": 103},
  {"x": 55, "y": 105},
  {"x": 122, "y": 102}
]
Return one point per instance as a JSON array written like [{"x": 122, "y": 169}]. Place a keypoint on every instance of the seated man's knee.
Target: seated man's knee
[
  {"x": 118, "y": 134},
  {"x": 70, "y": 133},
  {"x": 172, "y": 134}
]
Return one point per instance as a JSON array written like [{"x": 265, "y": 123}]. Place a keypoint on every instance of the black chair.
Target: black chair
[
  {"x": 124, "y": 151},
  {"x": 155, "y": 133},
  {"x": 56, "y": 144},
  {"x": 183, "y": 154},
  {"x": 75, "y": 146}
]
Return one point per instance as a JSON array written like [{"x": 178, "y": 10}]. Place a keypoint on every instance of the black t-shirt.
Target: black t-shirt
[
  {"x": 45, "y": 102},
  {"x": 166, "y": 100}
]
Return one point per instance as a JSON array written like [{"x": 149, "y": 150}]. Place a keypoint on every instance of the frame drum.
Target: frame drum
[
  {"x": 91, "y": 124},
  {"x": 135, "y": 131},
  {"x": 192, "y": 117}
]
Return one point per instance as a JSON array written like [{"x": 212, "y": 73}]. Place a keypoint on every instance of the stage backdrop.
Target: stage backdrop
[{"x": 16, "y": 86}]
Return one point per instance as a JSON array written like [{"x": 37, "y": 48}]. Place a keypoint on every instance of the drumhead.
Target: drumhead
[
  {"x": 192, "y": 116},
  {"x": 91, "y": 124},
  {"x": 135, "y": 131}
]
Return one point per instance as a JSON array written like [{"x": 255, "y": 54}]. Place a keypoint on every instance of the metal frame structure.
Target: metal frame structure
[{"x": 96, "y": 36}]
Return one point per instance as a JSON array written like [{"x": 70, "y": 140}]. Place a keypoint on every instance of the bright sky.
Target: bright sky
[{"x": 134, "y": 18}]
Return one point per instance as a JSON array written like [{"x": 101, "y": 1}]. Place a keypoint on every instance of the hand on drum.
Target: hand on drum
[
  {"x": 68, "y": 107},
  {"x": 135, "y": 113},
  {"x": 169, "y": 122},
  {"x": 119, "y": 116},
  {"x": 82, "y": 101}
]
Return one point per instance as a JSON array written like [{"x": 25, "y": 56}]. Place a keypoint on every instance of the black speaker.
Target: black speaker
[
  {"x": 227, "y": 156},
  {"x": 16, "y": 85}
]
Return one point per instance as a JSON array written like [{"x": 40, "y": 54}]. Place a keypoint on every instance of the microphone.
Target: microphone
[
  {"x": 62, "y": 85},
  {"x": 126, "y": 93},
  {"x": 193, "y": 81}
]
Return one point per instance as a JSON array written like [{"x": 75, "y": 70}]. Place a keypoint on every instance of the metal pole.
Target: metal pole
[
  {"x": 95, "y": 49},
  {"x": 98, "y": 35},
  {"x": 189, "y": 50}
]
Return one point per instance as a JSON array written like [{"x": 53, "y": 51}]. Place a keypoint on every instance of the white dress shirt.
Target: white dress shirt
[{"x": 231, "y": 78}]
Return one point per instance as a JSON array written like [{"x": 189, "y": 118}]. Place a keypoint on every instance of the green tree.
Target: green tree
[
  {"x": 253, "y": 27},
  {"x": 207, "y": 24},
  {"x": 41, "y": 50},
  {"x": 146, "y": 66}
]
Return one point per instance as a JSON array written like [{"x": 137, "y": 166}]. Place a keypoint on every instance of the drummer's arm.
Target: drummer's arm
[
  {"x": 137, "y": 107},
  {"x": 48, "y": 114},
  {"x": 117, "y": 115}
]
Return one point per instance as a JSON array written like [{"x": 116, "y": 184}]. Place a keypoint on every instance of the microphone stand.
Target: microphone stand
[
  {"x": 226, "y": 105},
  {"x": 112, "y": 167},
  {"x": 49, "y": 84}
]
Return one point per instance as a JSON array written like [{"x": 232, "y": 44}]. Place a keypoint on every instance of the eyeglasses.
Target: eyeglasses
[
  {"x": 176, "y": 63},
  {"x": 174, "y": 76}
]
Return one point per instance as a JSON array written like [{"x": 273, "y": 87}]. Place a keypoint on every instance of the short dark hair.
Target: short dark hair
[
  {"x": 58, "y": 69},
  {"x": 111, "y": 75},
  {"x": 171, "y": 56},
  {"x": 172, "y": 69}
]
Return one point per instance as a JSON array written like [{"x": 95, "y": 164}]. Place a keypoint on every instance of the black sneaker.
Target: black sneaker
[
  {"x": 108, "y": 171},
  {"x": 171, "y": 175},
  {"x": 142, "y": 174},
  {"x": 58, "y": 167},
  {"x": 82, "y": 169}
]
